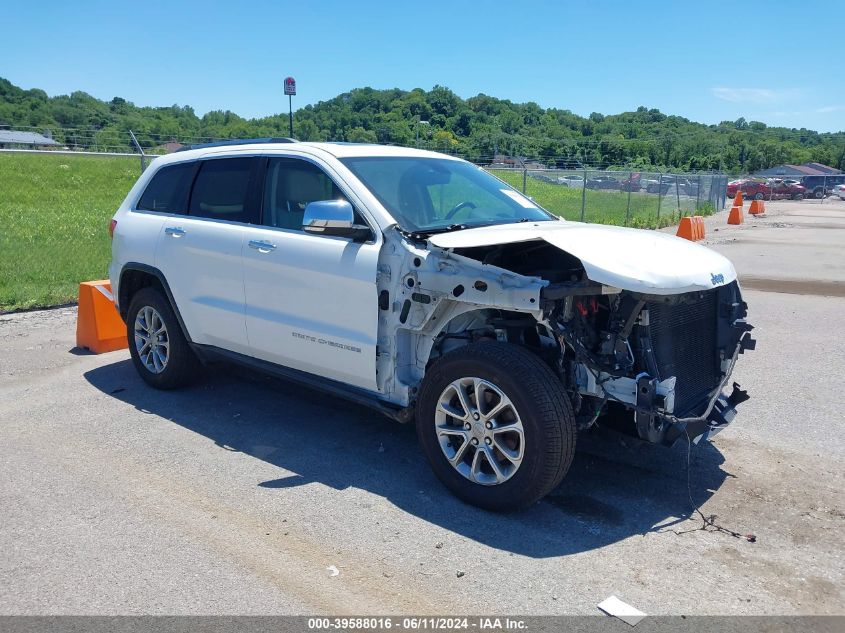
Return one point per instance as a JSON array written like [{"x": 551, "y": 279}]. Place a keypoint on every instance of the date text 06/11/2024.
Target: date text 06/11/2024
[{"x": 429, "y": 623}]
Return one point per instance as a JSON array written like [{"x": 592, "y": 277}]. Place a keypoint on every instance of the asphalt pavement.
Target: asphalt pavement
[{"x": 246, "y": 495}]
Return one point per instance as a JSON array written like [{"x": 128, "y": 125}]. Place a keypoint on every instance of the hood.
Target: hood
[{"x": 631, "y": 259}]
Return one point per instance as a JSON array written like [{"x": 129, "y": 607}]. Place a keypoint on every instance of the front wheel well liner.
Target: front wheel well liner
[{"x": 476, "y": 321}]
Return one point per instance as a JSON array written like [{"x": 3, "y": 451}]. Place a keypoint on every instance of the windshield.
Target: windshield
[{"x": 430, "y": 195}]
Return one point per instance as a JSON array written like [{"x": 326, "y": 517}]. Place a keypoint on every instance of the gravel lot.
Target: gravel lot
[{"x": 243, "y": 494}]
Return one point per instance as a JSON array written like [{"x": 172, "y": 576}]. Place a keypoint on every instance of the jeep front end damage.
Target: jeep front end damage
[{"x": 667, "y": 359}]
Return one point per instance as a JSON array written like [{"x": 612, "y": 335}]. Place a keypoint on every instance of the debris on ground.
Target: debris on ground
[
  {"x": 333, "y": 571},
  {"x": 613, "y": 606}
]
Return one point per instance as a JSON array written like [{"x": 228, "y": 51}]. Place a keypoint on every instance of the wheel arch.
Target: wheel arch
[
  {"x": 467, "y": 318},
  {"x": 133, "y": 277}
]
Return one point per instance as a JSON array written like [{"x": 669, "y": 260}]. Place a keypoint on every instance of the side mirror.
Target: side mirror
[{"x": 335, "y": 218}]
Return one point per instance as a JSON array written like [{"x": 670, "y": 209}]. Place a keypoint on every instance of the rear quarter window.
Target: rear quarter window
[{"x": 168, "y": 189}]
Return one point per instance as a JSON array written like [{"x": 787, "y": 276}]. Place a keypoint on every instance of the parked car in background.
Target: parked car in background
[
  {"x": 734, "y": 186},
  {"x": 684, "y": 186},
  {"x": 654, "y": 185},
  {"x": 785, "y": 189},
  {"x": 771, "y": 189},
  {"x": 755, "y": 189},
  {"x": 603, "y": 182},
  {"x": 632, "y": 182},
  {"x": 839, "y": 190},
  {"x": 821, "y": 186},
  {"x": 571, "y": 180},
  {"x": 542, "y": 177}
]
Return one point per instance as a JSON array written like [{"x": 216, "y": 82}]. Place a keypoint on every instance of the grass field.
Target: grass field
[
  {"x": 55, "y": 209},
  {"x": 602, "y": 207},
  {"x": 54, "y": 215}
]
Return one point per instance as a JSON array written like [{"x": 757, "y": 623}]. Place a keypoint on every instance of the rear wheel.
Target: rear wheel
[
  {"x": 818, "y": 193},
  {"x": 496, "y": 425},
  {"x": 158, "y": 347},
  {"x": 759, "y": 196},
  {"x": 798, "y": 196}
]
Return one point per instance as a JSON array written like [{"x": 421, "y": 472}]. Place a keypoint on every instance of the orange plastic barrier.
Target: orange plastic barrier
[
  {"x": 757, "y": 207},
  {"x": 738, "y": 199},
  {"x": 99, "y": 327},
  {"x": 691, "y": 228},
  {"x": 735, "y": 216}
]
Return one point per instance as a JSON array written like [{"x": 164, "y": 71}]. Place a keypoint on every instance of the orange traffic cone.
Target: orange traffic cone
[
  {"x": 686, "y": 229},
  {"x": 738, "y": 198},
  {"x": 757, "y": 207},
  {"x": 698, "y": 220},
  {"x": 99, "y": 327},
  {"x": 735, "y": 216}
]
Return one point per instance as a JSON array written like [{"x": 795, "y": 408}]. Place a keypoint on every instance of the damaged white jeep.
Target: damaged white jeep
[{"x": 425, "y": 287}]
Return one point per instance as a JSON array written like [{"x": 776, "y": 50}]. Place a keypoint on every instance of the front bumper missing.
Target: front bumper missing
[{"x": 719, "y": 416}]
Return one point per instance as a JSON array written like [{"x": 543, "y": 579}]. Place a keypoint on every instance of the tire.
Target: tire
[
  {"x": 150, "y": 308},
  {"x": 759, "y": 196},
  {"x": 818, "y": 193},
  {"x": 798, "y": 196},
  {"x": 537, "y": 401}
]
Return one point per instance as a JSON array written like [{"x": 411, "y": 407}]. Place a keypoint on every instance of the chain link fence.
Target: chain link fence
[{"x": 626, "y": 198}]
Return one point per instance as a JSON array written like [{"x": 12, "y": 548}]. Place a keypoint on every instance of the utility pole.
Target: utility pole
[{"x": 290, "y": 90}]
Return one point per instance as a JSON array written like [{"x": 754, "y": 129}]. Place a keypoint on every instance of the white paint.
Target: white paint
[
  {"x": 632, "y": 259},
  {"x": 618, "y": 609}
]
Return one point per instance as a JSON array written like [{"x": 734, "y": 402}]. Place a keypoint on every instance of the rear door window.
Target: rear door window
[
  {"x": 222, "y": 190},
  {"x": 168, "y": 189}
]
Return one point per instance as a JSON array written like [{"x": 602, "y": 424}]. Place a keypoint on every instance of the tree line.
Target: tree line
[{"x": 479, "y": 128}]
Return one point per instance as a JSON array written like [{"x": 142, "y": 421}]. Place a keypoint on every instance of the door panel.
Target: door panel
[
  {"x": 201, "y": 260},
  {"x": 311, "y": 304}
]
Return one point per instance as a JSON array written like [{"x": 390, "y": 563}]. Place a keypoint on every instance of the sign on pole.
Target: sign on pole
[{"x": 290, "y": 86}]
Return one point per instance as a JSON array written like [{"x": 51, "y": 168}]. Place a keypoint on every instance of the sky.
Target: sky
[{"x": 775, "y": 62}]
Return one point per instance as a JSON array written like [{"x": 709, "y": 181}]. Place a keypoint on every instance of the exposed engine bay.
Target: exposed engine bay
[{"x": 665, "y": 358}]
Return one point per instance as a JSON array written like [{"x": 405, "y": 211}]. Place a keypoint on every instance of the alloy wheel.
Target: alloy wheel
[
  {"x": 151, "y": 340},
  {"x": 479, "y": 431}
]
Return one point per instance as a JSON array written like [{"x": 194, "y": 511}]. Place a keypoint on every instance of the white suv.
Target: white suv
[{"x": 427, "y": 288}]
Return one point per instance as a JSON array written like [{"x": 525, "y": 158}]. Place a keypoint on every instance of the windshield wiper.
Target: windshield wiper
[{"x": 423, "y": 234}]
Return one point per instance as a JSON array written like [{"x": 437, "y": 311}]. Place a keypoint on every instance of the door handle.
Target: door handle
[
  {"x": 261, "y": 246},
  {"x": 174, "y": 231}
]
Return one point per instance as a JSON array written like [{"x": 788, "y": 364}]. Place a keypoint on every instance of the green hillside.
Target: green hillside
[{"x": 475, "y": 128}]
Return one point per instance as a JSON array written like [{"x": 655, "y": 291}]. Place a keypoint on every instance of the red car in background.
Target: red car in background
[
  {"x": 772, "y": 189},
  {"x": 632, "y": 182}
]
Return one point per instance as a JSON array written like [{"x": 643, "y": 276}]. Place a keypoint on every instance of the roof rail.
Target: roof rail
[{"x": 239, "y": 141}]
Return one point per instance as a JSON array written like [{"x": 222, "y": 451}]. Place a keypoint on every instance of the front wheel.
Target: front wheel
[{"x": 496, "y": 425}]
